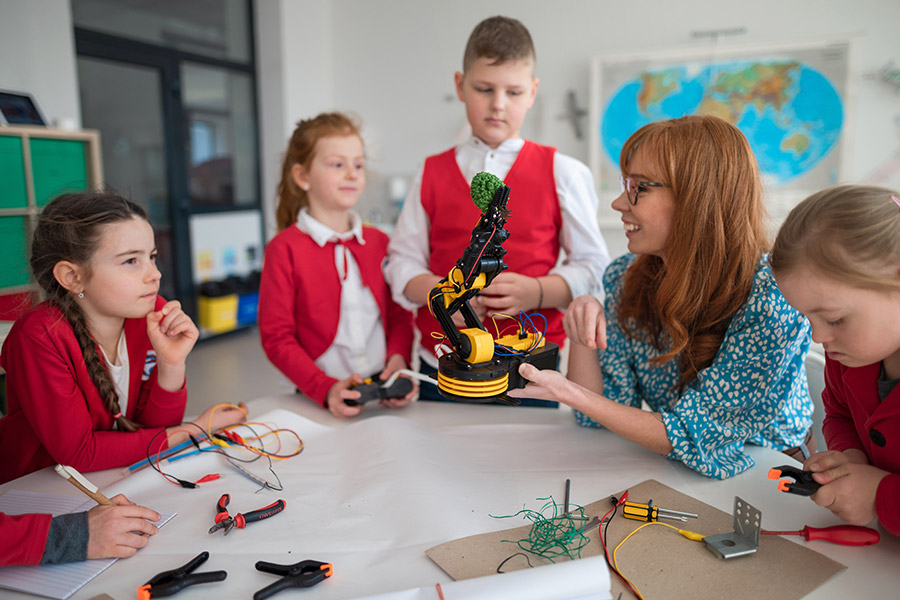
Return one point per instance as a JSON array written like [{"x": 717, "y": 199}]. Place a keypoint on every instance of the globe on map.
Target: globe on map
[{"x": 791, "y": 114}]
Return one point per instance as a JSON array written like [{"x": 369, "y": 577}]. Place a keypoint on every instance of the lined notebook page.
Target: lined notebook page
[{"x": 52, "y": 581}]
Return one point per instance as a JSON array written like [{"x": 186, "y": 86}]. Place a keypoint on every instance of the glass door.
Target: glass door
[{"x": 125, "y": 103}]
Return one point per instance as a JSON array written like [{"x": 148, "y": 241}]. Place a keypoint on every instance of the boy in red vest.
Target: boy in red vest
[{"x": 553, "y": 205}]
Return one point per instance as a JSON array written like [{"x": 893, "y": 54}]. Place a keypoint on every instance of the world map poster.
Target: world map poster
[{"x": 789, "y": 102}]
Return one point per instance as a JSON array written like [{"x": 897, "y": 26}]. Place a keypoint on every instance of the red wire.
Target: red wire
[
  {"x": 606, "y": 551},
  {"x": 483, "y": 248}
]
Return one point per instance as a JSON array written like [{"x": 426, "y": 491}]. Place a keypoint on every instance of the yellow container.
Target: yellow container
[{"x": 219, "y": 314}]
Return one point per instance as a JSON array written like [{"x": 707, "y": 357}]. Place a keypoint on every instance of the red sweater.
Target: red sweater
[
  {"x": 534, "y": 223},
  {"x": 856, "y": 417},
  {"x": 55, "y": 412},
  {"x": 300, "y": 304},
  {"x": 22, "y": 539}
]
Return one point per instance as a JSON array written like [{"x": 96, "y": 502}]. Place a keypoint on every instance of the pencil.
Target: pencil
[{"x": 79, "y": 481}]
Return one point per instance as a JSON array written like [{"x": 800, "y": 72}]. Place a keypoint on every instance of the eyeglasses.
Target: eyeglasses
[{"x": 632, "y": 188}]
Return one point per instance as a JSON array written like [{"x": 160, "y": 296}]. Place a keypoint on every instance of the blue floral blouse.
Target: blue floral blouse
[{"x": 754, "y": 391}]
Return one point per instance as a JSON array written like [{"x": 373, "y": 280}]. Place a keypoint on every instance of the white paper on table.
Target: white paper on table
[{"x": 583, "y": 579}]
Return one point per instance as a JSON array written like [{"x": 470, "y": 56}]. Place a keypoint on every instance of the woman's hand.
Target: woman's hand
[
  {"x": 585, "y": 322},
  {"x": 341, "y": 391},
  {"x": 115, "y": 531},
  {"x": 546, "y": 385},
  {"x": 396, "y": 363}
]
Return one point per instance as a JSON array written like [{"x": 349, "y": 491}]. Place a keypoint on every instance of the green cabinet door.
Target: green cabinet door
[
  {"x": 13, "y": 191},
  {"x": 58, "y": 166},
  {"x": 13, "y": 252}
]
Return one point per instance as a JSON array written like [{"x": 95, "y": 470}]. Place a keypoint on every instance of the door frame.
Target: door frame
[{"x": 168, "y": 61}]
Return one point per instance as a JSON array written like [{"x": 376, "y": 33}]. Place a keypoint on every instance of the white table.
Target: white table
[{"x": 432, "y": 473}]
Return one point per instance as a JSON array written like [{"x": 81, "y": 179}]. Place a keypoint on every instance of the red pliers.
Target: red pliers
[{"x": 226, "y": 522}]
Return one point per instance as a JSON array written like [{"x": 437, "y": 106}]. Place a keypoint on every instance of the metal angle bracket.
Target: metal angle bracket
[{"x": 747, "y": 522}]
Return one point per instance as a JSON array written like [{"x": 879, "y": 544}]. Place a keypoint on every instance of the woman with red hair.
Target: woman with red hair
[{"x": 693, "y": 325}]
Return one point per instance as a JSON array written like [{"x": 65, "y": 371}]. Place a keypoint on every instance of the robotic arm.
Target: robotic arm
[{"x": 474, "y": 371}]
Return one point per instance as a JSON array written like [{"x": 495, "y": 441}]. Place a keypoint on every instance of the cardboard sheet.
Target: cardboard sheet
[{"x": 658, "y": 560}]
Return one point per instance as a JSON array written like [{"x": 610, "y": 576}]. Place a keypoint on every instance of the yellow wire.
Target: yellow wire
[{"x": 695, "y": 537}]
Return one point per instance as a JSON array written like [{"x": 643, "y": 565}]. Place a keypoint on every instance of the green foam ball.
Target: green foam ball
[{"x": 484, "y": 186}]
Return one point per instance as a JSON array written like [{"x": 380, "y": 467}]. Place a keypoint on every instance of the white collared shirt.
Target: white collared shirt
[
  {"x": 585, "y": 254},
  {"x": 359, "y": 345},
  {"x": 120, "y": 372}
]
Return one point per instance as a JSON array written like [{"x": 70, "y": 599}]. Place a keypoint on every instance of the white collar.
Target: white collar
[
  {"x": 322, "y": 234},
  {"x": 507, "y": 146}
]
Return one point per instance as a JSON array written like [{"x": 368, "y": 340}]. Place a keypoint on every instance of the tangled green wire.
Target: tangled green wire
[{"x": 553, "y": 534}]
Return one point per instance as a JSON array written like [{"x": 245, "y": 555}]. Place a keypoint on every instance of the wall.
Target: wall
[
  {"x": 38, "y": 49},
  {"x": 393, "y": 63}
]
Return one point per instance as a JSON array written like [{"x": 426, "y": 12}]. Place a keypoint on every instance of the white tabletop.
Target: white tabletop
[{"x": 370, "y": 495}]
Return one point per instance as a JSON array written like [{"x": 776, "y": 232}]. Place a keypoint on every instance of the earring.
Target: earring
[
  {"x": 305, "y": 187},
  {"x": 81, "y": 294}
]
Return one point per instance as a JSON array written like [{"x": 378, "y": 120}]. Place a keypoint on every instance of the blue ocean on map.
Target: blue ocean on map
[{"x": 791, "y": 114}]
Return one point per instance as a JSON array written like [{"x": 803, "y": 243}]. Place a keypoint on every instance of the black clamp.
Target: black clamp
[
  {"x": 303, "y": 574},
  {"x": 171, "y": 582},
  {"x": 803, "y": 484}
]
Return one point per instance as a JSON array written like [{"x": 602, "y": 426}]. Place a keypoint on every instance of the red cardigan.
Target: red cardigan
[
  {"x": 22, "y": 539},
  {"x": 300, "y": 302},
  {"x": 55, "y": 412},
  {"x": 856, "y": 417},
  {"x": 535, "y": 219}
]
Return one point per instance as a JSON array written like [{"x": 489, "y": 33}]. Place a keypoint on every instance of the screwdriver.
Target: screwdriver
[{"x": 846, "y": 535}]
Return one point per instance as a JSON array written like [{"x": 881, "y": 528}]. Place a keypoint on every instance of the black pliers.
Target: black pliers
[
  {"x": 171, "y": 582},
  {"x": 303, "y": 574},
  {"x": 227, "y": 522},
  {"x": 803, "y": 484}
]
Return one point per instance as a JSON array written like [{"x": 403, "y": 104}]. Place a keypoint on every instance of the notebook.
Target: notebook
[{"x": 52, "y": 581}]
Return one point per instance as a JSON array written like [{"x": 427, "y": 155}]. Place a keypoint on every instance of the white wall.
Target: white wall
[
  {"x": 37, "y": 47},
  {"x": 393, "y": 61}
]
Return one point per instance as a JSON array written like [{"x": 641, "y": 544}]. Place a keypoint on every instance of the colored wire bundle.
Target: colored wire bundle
[
  {"x": 553, "y": 533},
  {"x": 521, "y": 320},
  {"x": 220, "y": 441},
  {"x": 613, "y": 564}
]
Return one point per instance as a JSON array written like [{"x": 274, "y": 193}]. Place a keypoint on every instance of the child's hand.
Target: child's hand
[
  {"x": 510, "y": 293},
  {"x": 341, "y": 391},
  {"x": 848, "y": 486},
  {"x": 221, "y": 415},
  {"x": 114, "y": 531},
  {"x": 172, "y": 333},
  {"x": 585, "y": 322},
  {"x": 477, "y": 304},
  {"x": 395, "y": 363}
]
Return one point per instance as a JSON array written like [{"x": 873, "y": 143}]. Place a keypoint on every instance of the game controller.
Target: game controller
[{"x": 372, "y": 389}]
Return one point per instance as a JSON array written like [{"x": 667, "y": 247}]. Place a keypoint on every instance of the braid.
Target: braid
[{"x": 92, "y": 360}]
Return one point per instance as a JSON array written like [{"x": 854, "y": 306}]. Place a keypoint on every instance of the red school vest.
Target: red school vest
[{"x": 534, "y": 224}]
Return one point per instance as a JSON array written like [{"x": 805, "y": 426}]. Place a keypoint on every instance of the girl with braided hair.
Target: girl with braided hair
[{"x": 98, "y": 369}]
